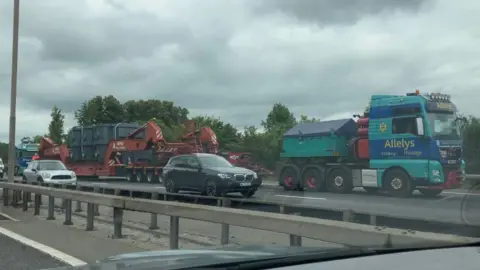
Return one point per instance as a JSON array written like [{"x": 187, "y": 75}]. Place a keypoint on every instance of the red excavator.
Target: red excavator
[{"x": 148, "y": 137}]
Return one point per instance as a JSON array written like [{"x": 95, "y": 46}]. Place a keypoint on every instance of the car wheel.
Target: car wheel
[
  {"x": 170, "y": 186},
  {"x": 211, "y": 189}
]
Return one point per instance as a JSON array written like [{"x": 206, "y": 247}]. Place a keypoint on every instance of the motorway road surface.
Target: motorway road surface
[
  {"x": 459, "y": 206},
  {"x": 17, "y": 256}
]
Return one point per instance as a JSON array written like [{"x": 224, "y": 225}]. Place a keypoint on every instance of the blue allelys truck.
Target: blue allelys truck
[
  {"x": 24, "y": 153},
  {"x": 400, "y": 144}
]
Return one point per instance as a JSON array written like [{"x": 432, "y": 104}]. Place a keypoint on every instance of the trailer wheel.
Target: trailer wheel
[
  {"x": 150, "y": 176},
  {"x": 130, "y": 176},
  {"x": 290, "y": 178},
  {"x": 398, "y": 183},
  {"x": 339, "y": 180},
  {"x": 138, "y": 177},
  {"x": 313, "y": 179},
  {"x": 430, "y": 192}
]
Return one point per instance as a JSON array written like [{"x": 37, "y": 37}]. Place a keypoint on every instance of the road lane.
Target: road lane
[
  {"x": 17, "y": 256},
  {"x": 458, "y": 206}
]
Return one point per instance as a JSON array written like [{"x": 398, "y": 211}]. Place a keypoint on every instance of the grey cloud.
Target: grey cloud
[
  {"x": 335, "y": 12},
  {"x": 227, "y": 59}
]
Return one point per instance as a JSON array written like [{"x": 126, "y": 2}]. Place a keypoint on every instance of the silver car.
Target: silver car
[{"x": 49, "y": 172}]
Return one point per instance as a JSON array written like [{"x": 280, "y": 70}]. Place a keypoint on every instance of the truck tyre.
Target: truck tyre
[
  {"x": 430, "y": 192},
  {"x": 398, "y": 183},
  {"x": 339, "y": 180},
  {"x": 290, "y": 178},
  {"x": 313, "y": 179}
]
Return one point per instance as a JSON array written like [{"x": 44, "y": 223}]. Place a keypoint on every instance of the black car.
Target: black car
[{"x": 210, "y": 174}]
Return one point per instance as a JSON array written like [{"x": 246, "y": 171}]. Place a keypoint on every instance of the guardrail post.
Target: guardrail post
[
  {"x": 117, "y": 222},
  {"x": 64, "y": 201},
  {"x": 96, "y": 210},
  {"x": 90, "y": 215},
  {"x": 5, "y": 196},
  {"x": 68, "y": 212},
  {"x": 373, "y": 220},
  {"x": 174, "y": 231},
  {"x": 225, "y": 233},
  {"x": 51, "y": 207},
  {"x": 295, "y": 240},
  {"x": 78, "y": 204},
  {"x": 36, "y": 204},
  {"x": 153, "y": 216},
  {"x": 15, "y": 198},
  {"x": 25, "y": 201},
  {"x": 348, "y": 215}
]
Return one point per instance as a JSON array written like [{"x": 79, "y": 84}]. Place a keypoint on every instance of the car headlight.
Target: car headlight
[
  {"x": 224, "y": 176},
  {"x": 255, "y": 176},
  {"x": 74, "y": 175},
  {"x": 45, "y": 175}
]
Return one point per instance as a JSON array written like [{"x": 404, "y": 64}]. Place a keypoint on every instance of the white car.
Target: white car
[
  {"x": 2, "y": 168},
  {"x": 49, "y": 172}
]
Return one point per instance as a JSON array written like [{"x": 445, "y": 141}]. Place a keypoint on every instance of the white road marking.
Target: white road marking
[
  {"x": 7, "y": 216},
  {"x": 301, "y": 197},
  {"x": 43, "y": 248}
]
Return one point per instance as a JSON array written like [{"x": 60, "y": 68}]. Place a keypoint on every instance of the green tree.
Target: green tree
[
  {"x": 56, "y": 129},
  {"x": 306, "y": 119},
  {"x": 36, "y": 138},
  {"x": 100, "y": 110}
]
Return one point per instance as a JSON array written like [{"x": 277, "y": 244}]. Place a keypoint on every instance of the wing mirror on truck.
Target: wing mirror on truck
[{"x": 420, "y": 127}]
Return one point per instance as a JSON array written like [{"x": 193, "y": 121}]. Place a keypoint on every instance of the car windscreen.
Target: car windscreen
[
  {"x": 214, "y": 161},
  {"x": 51, "y": 166}
]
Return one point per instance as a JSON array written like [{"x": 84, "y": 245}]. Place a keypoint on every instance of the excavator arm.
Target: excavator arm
[{"x": 145, "y": 137}]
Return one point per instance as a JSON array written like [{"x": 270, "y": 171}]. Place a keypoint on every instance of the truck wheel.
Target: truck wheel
[
  {"x": 312, "y": 179},
  {"x": 290, "y": 178},
  {"x": 398, "y": 183},
  {"x": 430, "y": 192},
  {"x": 339, "y": 180}
]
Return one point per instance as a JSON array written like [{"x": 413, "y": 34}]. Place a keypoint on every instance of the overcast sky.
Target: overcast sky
[{"x": 234, "y": 59}]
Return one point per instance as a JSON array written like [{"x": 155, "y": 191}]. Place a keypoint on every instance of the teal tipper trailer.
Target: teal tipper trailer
[{"x": 400, "y": 144}]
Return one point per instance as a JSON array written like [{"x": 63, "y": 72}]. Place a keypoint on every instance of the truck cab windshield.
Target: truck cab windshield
[{"x": 444, "y": 126}]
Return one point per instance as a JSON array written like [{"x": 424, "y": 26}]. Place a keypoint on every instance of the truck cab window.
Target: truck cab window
[{"x": 405, "y": 125}]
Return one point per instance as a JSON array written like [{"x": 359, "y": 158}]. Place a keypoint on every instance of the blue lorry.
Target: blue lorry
[{"x": 400, "y": 144}]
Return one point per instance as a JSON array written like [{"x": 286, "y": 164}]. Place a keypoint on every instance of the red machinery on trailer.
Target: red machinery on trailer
[
  {"x": 148, "y": 137},
  {"x": 243, "y": 159}
]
